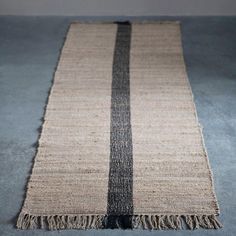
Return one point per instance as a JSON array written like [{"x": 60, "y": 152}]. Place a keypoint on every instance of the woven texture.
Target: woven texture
[{"x": 121, "y": 146}]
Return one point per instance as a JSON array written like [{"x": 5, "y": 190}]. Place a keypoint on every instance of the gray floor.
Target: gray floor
[{"x": 29, "y": 50}]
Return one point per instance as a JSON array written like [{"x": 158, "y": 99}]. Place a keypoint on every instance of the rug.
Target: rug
[{"x": 121, "y": 145}]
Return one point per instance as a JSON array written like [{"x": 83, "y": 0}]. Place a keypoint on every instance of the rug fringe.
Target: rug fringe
[
  {"x": 149, "y": 222},
  {"x": 165, "y": 222},
  {"x": 57, "y": 222}
]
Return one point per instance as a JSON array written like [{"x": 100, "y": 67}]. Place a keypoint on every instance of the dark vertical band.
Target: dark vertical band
[{"x": 120, "y": 186}]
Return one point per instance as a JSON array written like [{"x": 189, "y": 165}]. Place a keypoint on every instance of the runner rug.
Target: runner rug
[{"x": 121, "y": 146}]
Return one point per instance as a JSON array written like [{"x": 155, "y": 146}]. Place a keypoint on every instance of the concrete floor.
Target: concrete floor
[{"x": 29, "y": 50}]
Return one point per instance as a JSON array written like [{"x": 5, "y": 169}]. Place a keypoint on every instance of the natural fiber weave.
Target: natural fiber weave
[{"x": 121, "y": 145}]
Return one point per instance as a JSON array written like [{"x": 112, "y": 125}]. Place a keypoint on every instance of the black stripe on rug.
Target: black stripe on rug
[{"x": 120, "y": 185}]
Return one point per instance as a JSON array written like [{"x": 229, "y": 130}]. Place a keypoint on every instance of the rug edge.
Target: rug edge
[
  {"x": 98, "y": 221},
  {"x": 40, "y": 128},
  {"x": 206, "y": 156}
]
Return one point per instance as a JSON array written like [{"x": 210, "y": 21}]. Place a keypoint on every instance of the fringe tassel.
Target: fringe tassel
[
  {"x": 149, "y": 222},
  {"x": 165, "y": 222},
  {"x": 58, "y": 222}
]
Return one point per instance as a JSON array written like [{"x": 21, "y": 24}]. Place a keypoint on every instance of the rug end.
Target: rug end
[
  {"x": 176, "y": 222},
  {"x": 149, "y": 222},
  {"x": 59, "y": 222}
]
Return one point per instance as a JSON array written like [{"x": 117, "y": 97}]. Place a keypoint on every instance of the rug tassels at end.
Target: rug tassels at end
[
  {"x": 58, "y": 222},
  {"x": 149, "y": 222},
  {"x": 176, "y": 222}
]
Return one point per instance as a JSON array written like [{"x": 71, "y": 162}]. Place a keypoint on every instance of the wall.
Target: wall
[{"x": 117, "y": 7}]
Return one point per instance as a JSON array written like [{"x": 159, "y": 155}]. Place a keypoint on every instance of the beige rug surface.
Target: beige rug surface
[{"x": 121, "y": 145}]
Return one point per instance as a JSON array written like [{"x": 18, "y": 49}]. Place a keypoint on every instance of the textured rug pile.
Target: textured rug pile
[{"x": 121, "y": 146}]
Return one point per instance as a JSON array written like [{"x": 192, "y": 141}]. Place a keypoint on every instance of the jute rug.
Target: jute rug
[{"x": 121, "y": 146}]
